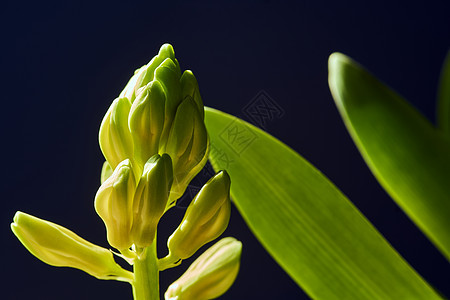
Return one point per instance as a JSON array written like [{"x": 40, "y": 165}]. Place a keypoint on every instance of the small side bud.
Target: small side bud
[
  {"x": 210, "y": 275},
  {"x": 168, "y": 75},
  {"x": 58, "y": 246},
  {"x": 189, "y": 87},
  {"x": 206, "y": 218},
  {"x": 114, "y": 136},
  {"x": 150, "y": 199},
  {"x": 114, "y": 204},
  {"x": 187, "y": 145},
  {"x": 146, "y": 74},
  {"x": 146, "y": 121}
]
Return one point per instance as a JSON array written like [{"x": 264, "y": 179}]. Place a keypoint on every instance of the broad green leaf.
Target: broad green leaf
[
  {"x": 443, "y": 111},
  {"x": 308, "y": 226},
  {"x": 408, "y": 156}
]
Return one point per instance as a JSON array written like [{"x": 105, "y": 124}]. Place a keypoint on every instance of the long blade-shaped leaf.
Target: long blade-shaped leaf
[
  {"x": 408, "y": 156},
  {"x": 310, "y": 228},
  {"x": 443, "y": 109}
]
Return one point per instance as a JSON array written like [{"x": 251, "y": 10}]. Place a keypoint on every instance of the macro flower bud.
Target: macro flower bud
[
  {"x": 150, "y": 199},
  {"x": 187, "y": 145},
  {"x": 165, "y": 115},
  {"x": 189, "y": 87},
  {"x": 114, "y": 204},
  {"x": 206, "y": 218},
  {"x": 169, "y": 74},
  {"x": 146, "y": 121},
  {"x": 58, "y": 246},
  {"x": 210, "y": 275},
  {"x": 114, "y": 136},
  {"x": 145, "y": 74}
]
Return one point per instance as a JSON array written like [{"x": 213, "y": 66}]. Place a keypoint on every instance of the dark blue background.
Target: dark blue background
[{"x": 63, "y": 62}]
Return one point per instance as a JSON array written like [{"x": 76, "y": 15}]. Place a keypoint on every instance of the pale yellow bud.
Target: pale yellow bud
[
  {"x": 210, "y": 275},
  {"x": 169, "y": 74},
  {"x": 187, "y": 145},
  {"x": 58, "y": 246},
  {"x": 150, "y": 199},
  {"x": 146, "y": 121},
  {"x": 189, "y": 87},
  {"x": 114, "y": 204},
  {"x": 114, "y": 136},
  {"x": 206, "y": 218},
  {"x": 146, "y": 73}
]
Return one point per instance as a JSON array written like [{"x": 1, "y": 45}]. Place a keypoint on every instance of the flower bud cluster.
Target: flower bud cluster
[
  {"x": 159, "y": 111},
  {"x": 131, "y": 209},
  {"x": 154, "y": 140}
]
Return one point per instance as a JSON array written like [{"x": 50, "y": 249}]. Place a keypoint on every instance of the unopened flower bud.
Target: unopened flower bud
[
  {"x": 114, "y": 204},
  {"x": 187, "y": 145},
  {"x": 58, "y": 246},
  {"x": 145, "y": 74},
  {"x": 146, "y": 121},
  {"x": 150, "y": 199},
  {"x": 189, "y": 87},
  {"x": 206, "y": 218},
  {"x": 166, "y": 116},
  {"x": 210, "y": 275},
  {"x": 169, "y": 74},
  {"x": 114, "y": 136}
]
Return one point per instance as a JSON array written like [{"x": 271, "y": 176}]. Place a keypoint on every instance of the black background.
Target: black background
[{"x": 63, "y": 62}]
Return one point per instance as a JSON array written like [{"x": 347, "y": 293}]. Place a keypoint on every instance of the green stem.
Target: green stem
[{"x": 146, "y": 275}]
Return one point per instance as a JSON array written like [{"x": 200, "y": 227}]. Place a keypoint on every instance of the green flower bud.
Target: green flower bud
[
  {"x": 114, "y": 136},
  {"x": 189, "y": 87},
  {"x": 187, "y": 145},
  {"x": 206, "y": 218},
  {"x": 210, "y": 275},
  {"x": 148, "y": 72},
  {"x": 146, "y": 121},
  {"x": 114, "y": 204},
  {"x": 150, "y": 199},
  {"x": 58, "y": 246},
  {"x": 145, "y": 74},
  {"x": 168, "y": 74},
  {"x": 166, "y": 116}
]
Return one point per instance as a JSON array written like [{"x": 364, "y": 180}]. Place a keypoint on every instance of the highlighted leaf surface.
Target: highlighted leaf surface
[
  {"x": 308, "y": 226},
  {"x": 406, "y": 153}
]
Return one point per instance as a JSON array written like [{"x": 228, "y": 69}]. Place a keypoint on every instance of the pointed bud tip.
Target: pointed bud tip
[
  {"x": 21, "y": 217},
  {"x": 167, "y": 50},
  {"x": 223, "y": 175}
]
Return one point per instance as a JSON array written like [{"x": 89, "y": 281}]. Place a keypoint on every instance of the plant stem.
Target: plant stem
[{"x": 146, "y": 275}]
